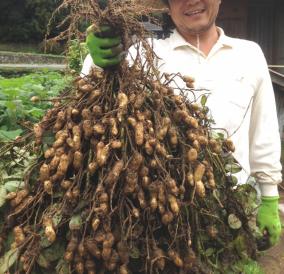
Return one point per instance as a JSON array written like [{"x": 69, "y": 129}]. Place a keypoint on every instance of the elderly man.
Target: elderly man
[{"x": 241, "y": 98}]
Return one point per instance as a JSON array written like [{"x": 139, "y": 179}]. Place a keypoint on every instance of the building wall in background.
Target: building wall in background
[
  {"x": 261, "y": 25},
  {"x": 279, "y": 29},
  {"x": 261, "y": 21},
  {"x": 233, "y": 17}
]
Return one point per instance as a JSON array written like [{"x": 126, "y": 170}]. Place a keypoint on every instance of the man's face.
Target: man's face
[{"x": 194, "y": 16}]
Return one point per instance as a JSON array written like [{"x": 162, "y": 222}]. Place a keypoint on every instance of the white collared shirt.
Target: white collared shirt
[{"x": 241, "y": 100}]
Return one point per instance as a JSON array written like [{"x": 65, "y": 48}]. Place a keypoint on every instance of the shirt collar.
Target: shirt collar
[
  {"x": 224, "y": 40},
  {"x": 176, "y": 40}
]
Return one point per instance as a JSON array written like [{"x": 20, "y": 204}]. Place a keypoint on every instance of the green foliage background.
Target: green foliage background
[
  {"x": 15, "y": 103},
  {"x": 25, "y": 20}
]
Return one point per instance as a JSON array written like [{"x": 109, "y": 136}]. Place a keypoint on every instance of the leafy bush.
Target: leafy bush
[
  {"x": 247, "y": 266},
  {"x": 25, "y": 20},
  {"x": 76, "y": 54},
  {"x": 15, "y": 103}
]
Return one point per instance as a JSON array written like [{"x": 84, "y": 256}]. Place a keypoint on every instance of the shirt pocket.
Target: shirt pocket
[
  {"x": 238, "y": 92},
  {"x": 230, "y": 89},
  {"x": 229, "y": 100},
  {"x": 238, "y": 96}
]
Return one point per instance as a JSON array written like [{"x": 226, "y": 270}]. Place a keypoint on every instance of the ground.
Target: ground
[{"x": 272, "y": 261}]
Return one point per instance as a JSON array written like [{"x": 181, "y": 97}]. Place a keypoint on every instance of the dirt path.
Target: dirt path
[{"x": 272, "y": 261}]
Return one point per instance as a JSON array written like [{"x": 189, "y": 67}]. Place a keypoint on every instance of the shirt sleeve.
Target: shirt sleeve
[
  {"x": 264, "y": 137},
  {"x": 88, "y": 65}
]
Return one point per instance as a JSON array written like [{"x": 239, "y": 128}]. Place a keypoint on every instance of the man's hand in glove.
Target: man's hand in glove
[
  {"x": 105, "y": 48},
  {"x": 268, "y": 218}
]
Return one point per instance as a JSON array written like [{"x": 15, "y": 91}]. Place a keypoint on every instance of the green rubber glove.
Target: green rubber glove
[
  {"x": 106, "y": 51},
  {"x": 268, "y": 218}
]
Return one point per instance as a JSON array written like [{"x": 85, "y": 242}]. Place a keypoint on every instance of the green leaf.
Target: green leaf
[
  {"x": 251, "y": 267},
  {"x": 36, "y": 112},
  {"x": 234, "y": 180},
  {"x": 3, "y": 193},
  {"x": 8, "y": 260},
  {"x": 214, "y": 134},
  {"x": 62, "y": 267},
  {"x": 221, "y": 136},
  {"x": 54, "y": 252},
  {"x": 56, "y": 219},
  {"x": 233, "y": 168},
  {"x": 16, "y": 176},
  {"x": 48, "y": 138},
  {"x": 76, "y": 222},
  {"x": 204, "y": 237},
  {"x": 43, "y": 240},
  {"x": 42, "y": 261},
  {"x": 209, "y": 252},
  {"x": 58, "y": 194},
  {"x": 9, "y": 240},
  {"x": 241, "y": 245},
  {"x": 234, "y": 222},
  {"x": 82, "y": 204},
  {"x": 203, "y": 100},
  {"x": 10, "y": 135},
  {"x": 12, "y": 186},
  {"x": 134, "y": 253},
  {"x": 11, "y": 105}
]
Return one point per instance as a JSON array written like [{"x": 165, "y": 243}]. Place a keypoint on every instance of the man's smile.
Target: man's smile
[{"x": 194, "y": 12}]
